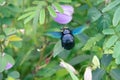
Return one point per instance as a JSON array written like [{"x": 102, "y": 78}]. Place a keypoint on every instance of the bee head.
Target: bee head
[{"x": 66, "y": 30}]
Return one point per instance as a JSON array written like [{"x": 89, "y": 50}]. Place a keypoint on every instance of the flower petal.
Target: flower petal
[
  {"x": 88, "y": 74},
  {"x": 66, "y": 16},
  {"x": 62, "y": 18},
  {"x": 8, "y": 66},
  {"x": 68, "y": 9}
]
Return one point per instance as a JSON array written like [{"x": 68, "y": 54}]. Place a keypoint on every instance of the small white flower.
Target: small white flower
[
  {"x": 88, "y": 73},
  {"x": 68, "y": 66},
  {"x": 96, "y": 62}
]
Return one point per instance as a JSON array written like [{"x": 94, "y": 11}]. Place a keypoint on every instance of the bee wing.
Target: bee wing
[
  {"x": 78, "y": 30},
  {"x": 54, "y": 34}
]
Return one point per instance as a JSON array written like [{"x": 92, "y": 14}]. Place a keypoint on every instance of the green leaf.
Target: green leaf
[
  {"x": 14, "y": 74},
  {"x": 58, "y": 7},
  {"x": 47, "y": 72},
  {"x": 42, "y": 16},
  {"x": 57, "y": 48},
  {"x": 111, "y": 5},
  {"x": 116, "y": 50},
  {"x": 61, "y": 72},
  {"x": 117, "y": 60},
  {"x": 79, "y": 59},
  {"x": 104, "y": 22},
  {"x": 14, "y": 38},
  {"x": 98, "y": 74},
  {"x": 106, "y": 59},
  {"x": 51, "y": 11},
  {"x": 35, "y": 19},
  {"x": 92, "y": 41},
  {"x": 9, "y": 31},
  {"x": 65, "y": 1},
  {"x": 1, "y": 76},
  {"x": 26, "y": 56},
  {"x": 108, "y": 31},
  {"x": 115, "y": 74},
  {"x": 111, "y": 41},
  {"x": 2, "y": 37},
  {"x": 9, "y": 59},
  {"x": 17, "y": 44},
  {"x": 74, "y": 77},
  {"x": 10, "y": 78},
  {"x": 94, "y": 14},
  {"x": 26, "y": 15},
  {"x": 30, "y": 9},
  {"x": 29, "y": 18},
  {"x": 3, "y": 63},
  {"x": 116, "y": 19}
]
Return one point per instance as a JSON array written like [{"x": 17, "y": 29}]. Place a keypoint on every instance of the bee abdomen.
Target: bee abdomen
[{"x": 67, "y": 41}]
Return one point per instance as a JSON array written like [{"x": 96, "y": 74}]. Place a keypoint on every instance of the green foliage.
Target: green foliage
[
  {"x": 92, "y": 41},
  {"x": 115, "y": 74},
  {"x": 94, "y": 14},
  {"x": 35, "y": 56},
  {"x": 4, "y": 60},
  {"x": 116, "y": 19},
  {"x": 111, "y": 5},
  {"x": 57, "y": 49},
  {"x": 98, "y": 74}
]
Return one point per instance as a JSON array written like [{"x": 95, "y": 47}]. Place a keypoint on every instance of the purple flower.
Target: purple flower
[
  {"x": 8, "y": 66},
  {"x": 66, "y": 16}
]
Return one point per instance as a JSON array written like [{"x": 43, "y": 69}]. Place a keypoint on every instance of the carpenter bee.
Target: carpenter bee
[{"x": 67, "y": 36}]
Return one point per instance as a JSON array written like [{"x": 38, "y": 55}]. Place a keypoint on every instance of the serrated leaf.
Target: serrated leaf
[
  {"x": 26, "y": 15},
  {"x": 58, "y": 7},
  {"x": 65, "y": 1},
  {"x": 51, "y": 11},
  {"x": 108, "y": 31},
  {"x": 29, "y": 18},
  {"x": 111, "y": 41},
  {"x": 42, "y": 16},
  {"x": 92, "y": 41},
  {"x": 111, "y": 5},
  {"x": 116, "y": 50},
  {"x": 115, "y": 74},
  {"x": 116, "y": 19},
  {"x": 57, "y": 49},
  {"x": 94, "y": 14},
  {"x": 14, "y": 38}
]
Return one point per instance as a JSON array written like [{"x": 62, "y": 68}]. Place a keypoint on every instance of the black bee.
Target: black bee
[{"x": 67, "y": 36}]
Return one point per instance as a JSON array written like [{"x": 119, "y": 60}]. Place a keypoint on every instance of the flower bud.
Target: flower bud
[{"x": 88, "y": 73}]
